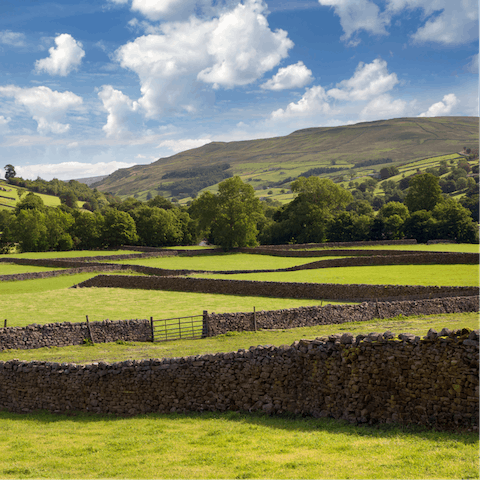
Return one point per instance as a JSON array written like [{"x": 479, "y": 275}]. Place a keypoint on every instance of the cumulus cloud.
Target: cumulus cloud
[
  {"x": 119, "y": 107},
  {"x": 383, "y": 106},
  {"x": 472, "y": 66},
  {"x": 369, "y": 80},
  {"x": 441, "y": 108},
  {"x": 174, "y": 65},
  {"x": 70, "y": 170},
  {"x": 313, "y": 102},
  {"x": 15, "y": 39},
  {"x": 443, "y": 21},
  {"x": 184, "y": 144},
  {"x": 45, "y": 106},
  {"x": 356, "y": 15},
  {"x": 293, "y": 76},
  {"x": 66, "y": 57}
]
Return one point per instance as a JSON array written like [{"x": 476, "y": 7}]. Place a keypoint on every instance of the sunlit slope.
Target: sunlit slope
[{"x": 402, "y": 140}]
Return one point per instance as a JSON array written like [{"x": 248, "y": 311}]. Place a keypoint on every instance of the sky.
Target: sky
[{"x": 91, "y": 86}]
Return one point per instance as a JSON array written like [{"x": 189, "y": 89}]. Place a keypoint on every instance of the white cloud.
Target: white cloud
[
  {"x": 383, "y": 106},
  {"x": 70, "y": 170},
  {"x": 368, "y": 81},
  {"x": 119, "y": 107},
  {"x": 173, "y": 65},
  {"x": 63, "y": 59},
  {"x": 158, "y": 10},
  {"x": 293, "y": 76},
  {"x": 441, "y": 108},
  {"x": 472, "y": 66},
  {"x": 4, "y": 121},
  {"x": 15, "y": 39},
  {"x": 313, "y": 102},
  {"x": 184, "y": 144},
  {"x": 358, "y": 15},
  {"x": 45, "y": 106},
  {"x": 445, "y": 21}
]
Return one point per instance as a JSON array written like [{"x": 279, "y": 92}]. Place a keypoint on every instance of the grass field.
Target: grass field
[
  {"x": 441, "y": 275},
  {"x": 421, "y": 247},
  {"x": 228, "y": 261},
  {"x": 50, "y": 300},
  {"x": 226, "y": 445},
  {"x": 12, "y": 268},
  {"x": 69, "y": 254}
]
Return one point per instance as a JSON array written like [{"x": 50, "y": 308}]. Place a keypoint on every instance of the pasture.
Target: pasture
[{"x": 231, "y": 444}]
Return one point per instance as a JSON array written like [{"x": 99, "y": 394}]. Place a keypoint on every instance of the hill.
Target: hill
[{"x": 276, "y": 161}]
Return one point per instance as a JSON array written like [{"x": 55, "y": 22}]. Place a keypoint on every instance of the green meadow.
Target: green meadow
[
  {"x": 12, "y": 268},
  {"x": 227, "y": 261},
  {"x": 226, "y": 445},
  {"x": 220, "y": 445},
  {"x": 441, "y": 275}
]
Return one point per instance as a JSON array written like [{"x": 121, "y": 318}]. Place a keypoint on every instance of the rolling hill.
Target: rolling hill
[{"x": 274, "y": 161}]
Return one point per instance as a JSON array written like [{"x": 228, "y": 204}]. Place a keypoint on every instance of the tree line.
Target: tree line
[{"x": 321, "y": 211}]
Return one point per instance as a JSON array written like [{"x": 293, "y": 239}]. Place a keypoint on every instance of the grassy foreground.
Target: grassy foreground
[
  {"x": 227, "y": 445},
  {"x": 232, "y": 341}
]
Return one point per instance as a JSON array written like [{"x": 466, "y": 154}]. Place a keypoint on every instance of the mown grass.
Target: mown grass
[
  {"x": 232, "y": 341},
  {"x": 50, "y": 300},
  {"x": 227, "y": 261},
  {"x": 439, "y": 247},
  {"x": 12, "y": 268},
  {"x": 226, "y": 445},
  {"x": 441, "y": 275}
]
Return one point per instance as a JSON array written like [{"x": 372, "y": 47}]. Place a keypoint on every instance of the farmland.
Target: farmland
[{"x": 229, "y": 444}]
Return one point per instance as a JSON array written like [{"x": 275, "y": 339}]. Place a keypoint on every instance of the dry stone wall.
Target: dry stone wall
[
  {"x": 66, "y": 334},
  {"x": 365, "y": 379},
  {"x": 222, "y": 323},
  {"x": 318, "y": 291}
]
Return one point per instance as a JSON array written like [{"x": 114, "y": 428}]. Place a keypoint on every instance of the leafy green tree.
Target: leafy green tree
[
  {"x": 30, "y": 202},
  {"x": 9, "y": 172},
  {"x": 29, "y": 230},
  {"x": 87, "y": 230},
  {"x": 422, "y": 226},
  {"x": 424, "y": 193},
  {"x": 231, "y": 215},
  {"x": 455, "y": 222},
  {"x": 69, "y": 199},
  {"x": 119, "y": 228}
]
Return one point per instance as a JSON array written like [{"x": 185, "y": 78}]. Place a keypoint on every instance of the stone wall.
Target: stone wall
[
  {"x": 365, "y": 379},
  {"x": 66, "y": 334},
  {"x": 222, "y": 323},
  {"x": 320, "y": 291}
]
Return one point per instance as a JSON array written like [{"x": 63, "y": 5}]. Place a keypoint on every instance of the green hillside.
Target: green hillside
[{"x": 273, "y": 162}]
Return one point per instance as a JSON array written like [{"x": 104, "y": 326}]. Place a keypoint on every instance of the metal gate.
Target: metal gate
[{"x": 180, "y": 328}]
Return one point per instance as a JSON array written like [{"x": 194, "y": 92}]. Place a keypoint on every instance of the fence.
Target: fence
[{"x": 179, "y": 328}]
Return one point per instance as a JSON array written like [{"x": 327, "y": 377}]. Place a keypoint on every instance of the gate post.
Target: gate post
[
  {"x": 151, "y": 328},
  {"x": 205, "y": 332}
]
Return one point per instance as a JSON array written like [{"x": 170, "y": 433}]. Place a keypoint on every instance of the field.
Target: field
[{"x": 220, "y": 445}]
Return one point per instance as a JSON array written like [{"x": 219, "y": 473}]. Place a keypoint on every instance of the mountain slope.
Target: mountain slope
[{"x": 401, "y": 139}]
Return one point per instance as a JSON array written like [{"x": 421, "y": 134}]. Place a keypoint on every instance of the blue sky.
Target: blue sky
[{"x": 90, "y": 86}]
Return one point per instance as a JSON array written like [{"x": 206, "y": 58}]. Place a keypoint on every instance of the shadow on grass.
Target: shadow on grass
[{"x": 287, "y": 422}]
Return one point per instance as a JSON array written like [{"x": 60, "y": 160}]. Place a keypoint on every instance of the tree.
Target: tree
[
  {"x": 9, "y": 172},
  {"x": 30, "y": 202},
  {"x": 424, "y": 193},
  {"x": 231, "y": 215},
  {"x": 455, "y": 222},
  {"x": 119, "y": 228}
]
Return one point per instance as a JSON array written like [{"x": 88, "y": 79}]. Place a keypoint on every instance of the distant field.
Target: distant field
[
  {"x": 232, "y": 261},
  {"x": 50, "y": 300},
  {"x": 12, "y": 191},
  {"x": 439, "y": 247},
  {"x": 70, "y": 254},
  {"x": 11, "y": 268},
  {"x": 441, "y": 275}
]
